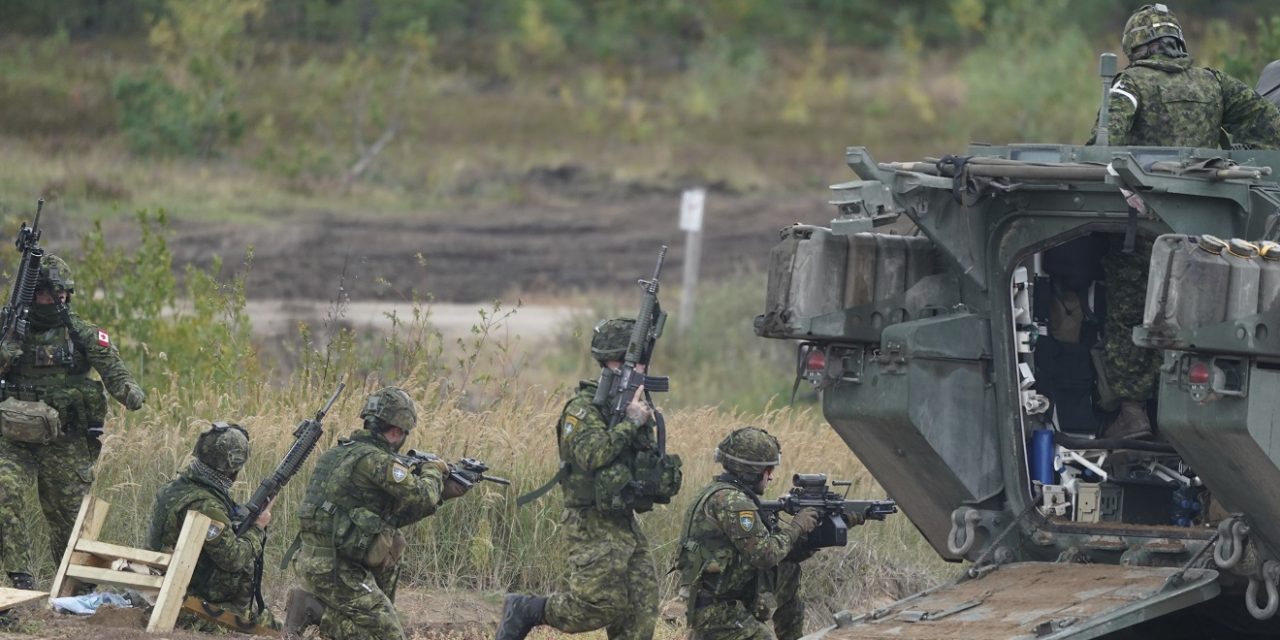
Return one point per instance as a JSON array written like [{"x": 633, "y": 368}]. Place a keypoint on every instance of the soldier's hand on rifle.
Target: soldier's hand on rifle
[
  {"x": 853, "y": 519},
  {"x": 639, "y": 411},
  {"x": 453, "y": 489},
  {"x": 806, "y": 520},
  {"x": 10, "y": 350},
  {"x": 134, "y": 397},
  {"x": 264, "y": 518}
]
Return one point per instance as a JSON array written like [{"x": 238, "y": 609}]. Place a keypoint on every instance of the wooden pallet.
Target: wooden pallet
[{"x": 87, "y": 560}]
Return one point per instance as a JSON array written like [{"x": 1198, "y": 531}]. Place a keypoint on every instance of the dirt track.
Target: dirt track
[{"x": 479, "y": 255}]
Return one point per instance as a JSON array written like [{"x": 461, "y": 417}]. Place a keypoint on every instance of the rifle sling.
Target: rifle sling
[{"x": 534, "y": 495}]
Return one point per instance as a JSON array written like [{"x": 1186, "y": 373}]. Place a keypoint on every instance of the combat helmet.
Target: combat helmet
[
  {"x": 1148, "y": 23},
  {"x": 1269, "y": 82},
  {"x": 390, "y": 406},
  {"x": 55, "y": 275},
  {"x": 610, "y": 338},
  {"x": 748, "y": 451},
  {"x": 224, "y": 447}
]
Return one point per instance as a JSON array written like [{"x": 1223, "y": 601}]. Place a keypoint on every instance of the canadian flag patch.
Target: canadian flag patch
[{"x": 104, "y": 340}]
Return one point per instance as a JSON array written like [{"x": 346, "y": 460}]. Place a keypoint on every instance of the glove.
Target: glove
[
  {"x": 441, "y": 465},
  {"x": 639, "y": 411},
  {"x": 806, "y": 520},
  {"x": 453, "y": 489},
  {"x": 10, "y": 350},
  {"x": 133, "y": 396}
]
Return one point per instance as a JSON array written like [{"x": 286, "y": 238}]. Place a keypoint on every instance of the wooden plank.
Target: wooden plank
[
  {"x": 118, "y": 578},
  {"x": 185, "y": 554},
  {"x": 89, "y": 521},
  {"x": 16, "y": 597},
  {"x": 114, "y": 551}
]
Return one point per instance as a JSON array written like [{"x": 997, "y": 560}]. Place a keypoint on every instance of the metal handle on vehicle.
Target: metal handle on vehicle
[
  {"x": 1232, "y": 538},
  {"x": 1270, "y": 576},
  {"x": 963, "y": 526}
]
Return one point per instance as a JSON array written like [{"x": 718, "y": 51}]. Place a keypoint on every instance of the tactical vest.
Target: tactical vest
[
  {"x": 634, "y": 481},
  {"x": 1185, "y": 110},
  {"x": 55, "y": 370},
  {"x": 336, "y": 515},
  {"x": 707, "y": 561},
  {"x": 207, "y": 581}
]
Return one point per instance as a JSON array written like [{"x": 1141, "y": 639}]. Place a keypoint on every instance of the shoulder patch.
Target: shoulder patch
[
  {"x": 579, "y": 412},
  {"x": 570, "y": 421},
  {"x": 398, "y": 472},
  {"x": 104, "y": 340},
  {"x": 215, "y": 529},
  {"x": 747, "y": 520}
]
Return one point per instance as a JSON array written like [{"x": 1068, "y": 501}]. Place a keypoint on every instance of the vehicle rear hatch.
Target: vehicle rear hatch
[{"x": 1033, "y": 600}]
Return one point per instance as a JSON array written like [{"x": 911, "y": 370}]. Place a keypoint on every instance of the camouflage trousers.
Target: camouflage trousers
[
  {"x": 612, "y": 581},
  {"x": 63, "y": 473},
  {"x": 733, "y": 620},
  {"x": 359, "y": 602},
  {"x": 1132, "y": 371}
]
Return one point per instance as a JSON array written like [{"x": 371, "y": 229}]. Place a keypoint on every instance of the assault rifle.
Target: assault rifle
[
  {"x": 305, "y": 438},
  {"x": 836, "y": 512},
  {"x": 13, "y": 318},
  {"x": 618, "y": 387},
  {"x": 466, "y": 472}
]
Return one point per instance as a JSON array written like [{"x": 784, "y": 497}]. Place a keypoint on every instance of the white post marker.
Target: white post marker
[{"x": 691, "y": 206}]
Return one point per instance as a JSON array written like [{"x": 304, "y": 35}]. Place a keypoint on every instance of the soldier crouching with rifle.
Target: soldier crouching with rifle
[
  {"x": 739, "y": 565},
  {"x": 349, "y": 544},
  {"x": 613, "y": 465},
  {"x": 226, "y": 582}
]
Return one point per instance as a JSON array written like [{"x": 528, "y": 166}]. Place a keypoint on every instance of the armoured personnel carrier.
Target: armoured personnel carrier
[{"x": 957, "y": 356}]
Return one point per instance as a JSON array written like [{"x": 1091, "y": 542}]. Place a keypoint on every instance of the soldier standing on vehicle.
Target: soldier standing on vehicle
[
  {"x": 229, "y": 565},
  {"x": 1161, "y": 99},
  {"x": 361, "y": 493},
  {"x": 52, "y": 415},
  {"x": 737, "y": 568},
  {"x": 612, "y": 581}
]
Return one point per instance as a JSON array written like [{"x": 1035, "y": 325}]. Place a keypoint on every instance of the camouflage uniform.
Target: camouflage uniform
[
  {"x": 1163, "y": 100},
  {"x": 53, "y": 365},
  {"x": 225, "y": 573},
  {"x": 736, "y": 590},
  {"x": 612, "y": 580},
  {"x": 360, "y": 494},
  {"x": 1132, "y": 371}
]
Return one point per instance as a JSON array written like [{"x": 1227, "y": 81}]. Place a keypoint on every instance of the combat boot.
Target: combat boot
[
  {"x": 301, "y": 610},
  {"x": 1131, "y": 423},
  {"x": 520, "y": 614},
  {"x": 24, "y": 581}
]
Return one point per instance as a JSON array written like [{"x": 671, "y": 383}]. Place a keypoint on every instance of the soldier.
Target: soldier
[
  {"x": 229, "y": 567},
  {"x": 612, "y": 581},
  {"x": 359, "y": 496},
  {"x": 1162, "y": 100},
  {"x": 737, "y": 568},
  {"x": 52, "y": 415}
]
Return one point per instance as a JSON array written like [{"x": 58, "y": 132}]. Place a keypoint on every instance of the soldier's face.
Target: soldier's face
[{"x": 44, "y": 296}]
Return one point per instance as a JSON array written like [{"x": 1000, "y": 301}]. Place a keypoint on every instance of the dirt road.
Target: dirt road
[{"x": 546, "y": 245}]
